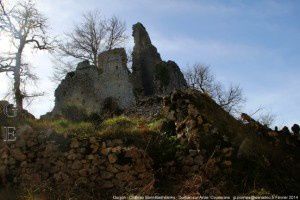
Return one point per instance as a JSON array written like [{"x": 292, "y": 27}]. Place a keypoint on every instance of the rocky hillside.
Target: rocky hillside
[{"x": 179, "y": 144}]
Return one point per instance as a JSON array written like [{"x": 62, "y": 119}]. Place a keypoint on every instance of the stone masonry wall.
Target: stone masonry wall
[
  {"x": 88, "y": 86},
  {"x": 115, "y": 76},
  {"x": 37, "y": 159}
]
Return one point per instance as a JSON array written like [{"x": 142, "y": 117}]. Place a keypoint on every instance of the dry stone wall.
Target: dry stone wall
[
  {"x": 67, "y": 163},
  {"x": 208, "y": 148}
]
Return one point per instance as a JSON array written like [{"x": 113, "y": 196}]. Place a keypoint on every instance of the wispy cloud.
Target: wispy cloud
[{"x": 253, "y": 43}]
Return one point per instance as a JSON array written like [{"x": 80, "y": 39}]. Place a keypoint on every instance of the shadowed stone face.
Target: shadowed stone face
[
  {"x": 150, "y": 74},
  {"x": 144, "y": 58}
]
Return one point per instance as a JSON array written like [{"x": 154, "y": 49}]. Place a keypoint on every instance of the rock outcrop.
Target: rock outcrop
[
  {"x": 150, "y": 74},
  {"x": 88, "y": 89}
]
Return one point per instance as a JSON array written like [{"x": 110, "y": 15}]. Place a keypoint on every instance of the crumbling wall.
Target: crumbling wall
[
  {"x": 67, "y": 164},
  {"x": 80, "y": 90},
  {"x": 150, "y": 74},
  {"x": 115, "y": 77},
  {"x": 84, "y": 91}
]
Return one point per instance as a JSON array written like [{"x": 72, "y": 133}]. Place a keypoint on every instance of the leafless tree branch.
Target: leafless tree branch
[
  {"x": 200, "y": 77},
  {"x": 116, "y": 32},
  {"x": 89, "y": 38},
  {"x": 26, "y": 26},
  {"x": 267, "y": 119}
]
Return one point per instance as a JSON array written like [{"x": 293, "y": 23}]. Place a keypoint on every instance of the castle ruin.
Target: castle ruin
[
  {"x": 150, "y": 74},
  {"x": 115, "y": 77},
  {"x": 88, "y": 87}
]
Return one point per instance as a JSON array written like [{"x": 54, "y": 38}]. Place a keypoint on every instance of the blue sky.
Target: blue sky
[{"x": 252, "y": 43}]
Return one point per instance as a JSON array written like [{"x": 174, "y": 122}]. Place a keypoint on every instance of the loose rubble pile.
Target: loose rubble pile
[
  {"x": 275, "y": 137},
  {"x": 146, "y": 107},
  {"x": 68, "y": 163},
  {"x": 191, "y": 126},
  {"x": 219, "y": 146},
  {"x": 209, "y": 153}
]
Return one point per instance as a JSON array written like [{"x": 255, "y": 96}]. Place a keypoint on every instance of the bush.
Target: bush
[
  {"x": 110, "y": 105},
  {"x": 162, "y": 148}
]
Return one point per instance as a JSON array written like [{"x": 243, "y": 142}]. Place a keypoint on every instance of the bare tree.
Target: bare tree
[
  {"x": 201, "y": 78},
  {"x": 116, "y": 33},
  {"x": 61, "y": 67},
  {"x": 92, "y": 36},
  {"x": 6, "y": 64},
  {"x": 26, "y": 27},
  {"x": 231, "y": 99},
  {"x": 267, "y": 119},
  {"x": 85, "y": 41}
]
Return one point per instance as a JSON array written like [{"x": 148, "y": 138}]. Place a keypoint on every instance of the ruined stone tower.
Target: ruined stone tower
[
  {"x": 115, "y": 76},
  {"x": 150, "y": 74},
  {"x": 88, "y": 87},
  {"x": 144, "y": 58}
]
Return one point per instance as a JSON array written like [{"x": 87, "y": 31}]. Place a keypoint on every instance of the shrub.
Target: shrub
[
  {"x": 162, "y": 148},
  {"x": 110, "y": 105}
]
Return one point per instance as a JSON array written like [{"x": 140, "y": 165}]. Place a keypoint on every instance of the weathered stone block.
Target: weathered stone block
[{"x": 106, "y": 175}]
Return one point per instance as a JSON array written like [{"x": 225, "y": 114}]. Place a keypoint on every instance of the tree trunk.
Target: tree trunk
[
  {"x": 17, "y": 83},
  {"x": 17, "y": 79},
  {"x": 95, "y": 60}
]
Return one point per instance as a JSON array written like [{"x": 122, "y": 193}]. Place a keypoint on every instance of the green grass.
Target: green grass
[
  {"x": 63, "y": 126},
  {"x": 116, "y": 127},
  {"x": 120, "y": 121},
  {"x": 156, "y": 124},
  {"x": 132, "y": 131}
]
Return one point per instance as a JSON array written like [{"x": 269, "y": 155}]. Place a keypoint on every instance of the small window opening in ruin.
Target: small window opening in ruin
[{"x": 116, "y": 67}]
